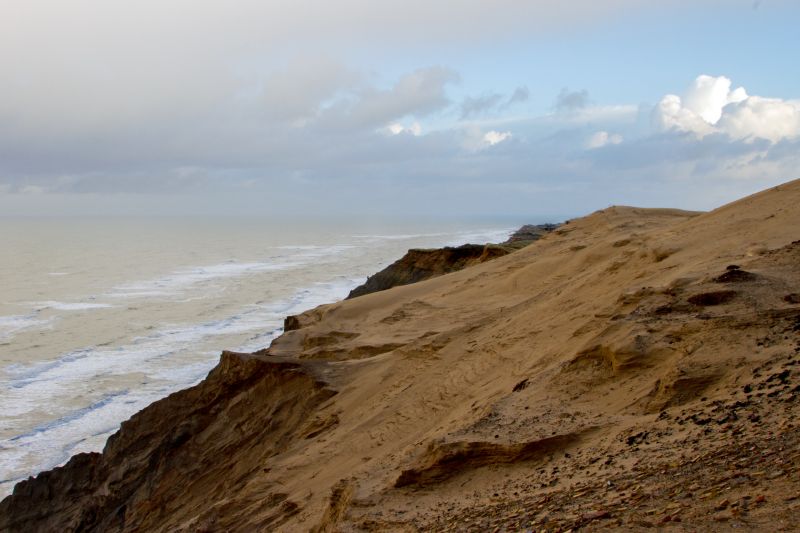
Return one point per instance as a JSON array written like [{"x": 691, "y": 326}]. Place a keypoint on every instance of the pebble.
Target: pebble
[{"x": 596, "y": 515}]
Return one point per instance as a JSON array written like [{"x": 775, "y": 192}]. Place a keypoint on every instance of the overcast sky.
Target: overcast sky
[{"x": 412, "y": 107}]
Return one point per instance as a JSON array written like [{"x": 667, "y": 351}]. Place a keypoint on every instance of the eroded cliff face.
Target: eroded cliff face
[
  {"x": 631, "y": 369},
  {"x": 421, "y": 264},
  {"x": 180, "y": 463}
]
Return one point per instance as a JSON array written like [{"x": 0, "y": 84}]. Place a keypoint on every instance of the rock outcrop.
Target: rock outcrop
[
  {"x": 634, "y": 368},
  {"x": 421, "y": 264}
]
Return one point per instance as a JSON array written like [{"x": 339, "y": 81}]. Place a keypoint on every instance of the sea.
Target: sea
[{"x": 99, "y": 317}]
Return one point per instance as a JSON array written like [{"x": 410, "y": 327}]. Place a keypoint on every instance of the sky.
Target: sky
[{"x": 526, "y": 108}]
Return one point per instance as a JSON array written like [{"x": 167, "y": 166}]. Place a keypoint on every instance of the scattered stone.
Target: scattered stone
[
  {"x": 596, "y": 515},
  {"x": 636, "y": 439}
]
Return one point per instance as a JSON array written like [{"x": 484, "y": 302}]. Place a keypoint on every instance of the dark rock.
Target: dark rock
[
  {"x": 530, "y": 232},
  {"x": 418, "y": 265},
  {"x": 636, "y": 439},
  {"x": 781, "y": 376},
  {"x": 700, "y": 421},
  {"x": 712, "y": 298},
  {"x": 421, "y": 264},
  {"x": 291, "y": 323},
  {"x": 735, "y": 276}
]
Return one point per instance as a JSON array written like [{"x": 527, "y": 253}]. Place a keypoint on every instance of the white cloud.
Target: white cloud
[
  {"x": 602, "y": 138},
  {"x": 766, "y": 118},
  {"x": 474, "y": 138},
  {"x": 707, "y": 96},
  {"x": 496, "y": 137},
  {"x": 414, "y": 129},
  {"x": 710, "y": 106},
  {"x": 670, "y": 114}
]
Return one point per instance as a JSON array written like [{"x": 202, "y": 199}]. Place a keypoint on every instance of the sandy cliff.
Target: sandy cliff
[{"x": 634, "y": 368}]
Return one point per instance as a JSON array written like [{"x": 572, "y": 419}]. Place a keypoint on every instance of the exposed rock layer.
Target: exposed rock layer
[
  {"x": 421, "y": 264},
  {"x": 614, "y": 374}
]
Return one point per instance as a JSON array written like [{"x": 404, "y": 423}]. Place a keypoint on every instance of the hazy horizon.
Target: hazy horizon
[{"x": 394, "y": 108}]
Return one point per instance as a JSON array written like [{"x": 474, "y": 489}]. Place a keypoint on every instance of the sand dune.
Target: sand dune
[{"x": 633, "y": 368}]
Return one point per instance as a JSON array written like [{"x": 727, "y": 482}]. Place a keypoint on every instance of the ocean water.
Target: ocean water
[{"x": 99, "y": 317}]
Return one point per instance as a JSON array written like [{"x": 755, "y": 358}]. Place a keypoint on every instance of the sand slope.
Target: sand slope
[{"x": 634, "y": 368}]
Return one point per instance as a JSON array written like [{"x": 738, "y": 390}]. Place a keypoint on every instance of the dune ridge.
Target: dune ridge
[{"x": 634, "y": 368}]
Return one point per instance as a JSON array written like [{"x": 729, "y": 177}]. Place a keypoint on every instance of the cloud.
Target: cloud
[
  {"x": 472, "y": 106},
  {"x": 707, "y": 96},
  {"x": 710, "y": 106},
  {"x": 269, "y": 124},
  {"x": 571, "y": 100},
  {"x": 88, "y": 67},
  {"x": 766, "y": 118},
  {"x": 356, "y": 138},
  {"x": 496, "y": 137},
  {"x": 602, "y": 138},
  {"x": 296, "y": 91},
  {"x": 419, "y": 93},
  {"x": 414, "y": 129},
  {"x": 520, "y": 94}
]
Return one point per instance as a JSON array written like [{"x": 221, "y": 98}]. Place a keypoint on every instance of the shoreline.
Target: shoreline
[
  {"x": 86, "y": 426},
  {"x": 633, "y": 368}
]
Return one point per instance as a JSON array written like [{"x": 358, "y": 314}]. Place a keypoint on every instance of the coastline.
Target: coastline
[
  {"x": 108, "y": 337},
  {"x": 599, "y": 374}
]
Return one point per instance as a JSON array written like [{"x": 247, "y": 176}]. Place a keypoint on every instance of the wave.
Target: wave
[
  {"x": 181, "y": 280},
  {"x": 184, "y": 279},
  {"x": 13, "y": 324},
  {"x": 481, "y": 236},
  {"x": 69, "y": 306},
  {"x": 478, "y": 236}
]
